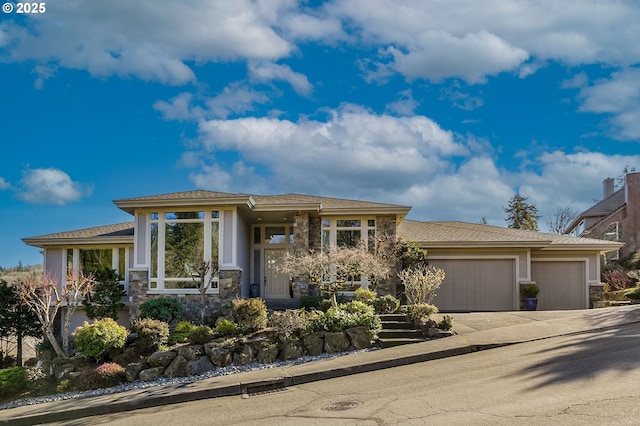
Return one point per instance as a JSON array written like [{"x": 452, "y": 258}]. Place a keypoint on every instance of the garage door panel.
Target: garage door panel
[
  {"x": 562, "y": 284},
  {"x": 476, "y": 285}
]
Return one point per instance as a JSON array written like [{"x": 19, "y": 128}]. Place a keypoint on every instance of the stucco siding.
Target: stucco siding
[{"x": 53, "y": 261}]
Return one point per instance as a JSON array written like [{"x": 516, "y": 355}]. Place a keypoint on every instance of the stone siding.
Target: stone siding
[
  {"x": 386, "y": 234},
  {"x": 596, "y": 294},
  {"x": 228, "y": 289}
]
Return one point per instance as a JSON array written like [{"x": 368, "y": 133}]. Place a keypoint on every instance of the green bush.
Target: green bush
[
  {"x": 226, "y": 328},
  {"x": 200, "y": 335},
  {"x": 163, "y": 309},
  {"x": 250, "y": 314},
  {"x": 365, "y": 295},
  {"x": 181, "y": 333},
  {"x": 94, "y": 340},
  {"x": 311, "y": 302},
  {"x": 357, "y": 307},
  {"x": 103, "y": 376},
  {"x": 446, "y": 323},
  {"x": 386, "y": 304},
  {"x": 633, "y": 294},
  {"x": 45, "y": 351},
  {"x": 12, "y": 381},
  {"x": 421, "y": 311},
  {"x": 152, "y": 334}
]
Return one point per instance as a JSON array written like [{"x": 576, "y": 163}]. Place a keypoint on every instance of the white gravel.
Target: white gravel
[{"x": 232, "y": 369}]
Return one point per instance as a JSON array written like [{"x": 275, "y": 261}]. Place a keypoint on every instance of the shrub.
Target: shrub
[
  {"x": 152, "y": 334},
  {"x": 421, "y": 282},
  {"x": 386, "y": 304},
  {"x": 419, "y": 312},
  {"x": 340, "y": 319},
  {"x": 163, "y": 309},
  {"x": 311, "y": 302},
  {"x": 6, "y": 361},
  {"x": 94, "y": 340},
  {"x": 103, "y": 376},
  {"x": 365, "y": 295},
  {"x": 357, "y": 307},
  {"x": 446, "y": 323},
  {"x": 616, "y": 279},
  {"x": 530, "y": 291},
  {"x": 288, "y": 323},
  {"x": 12, "y": 381},
  {"x": 250, "y": 314},
  {"x": 181, "y": 333},
  {"x": 226, "y": 328},
  {"x": 633, "y": 294},
  {"x": 200, "y": 335}
]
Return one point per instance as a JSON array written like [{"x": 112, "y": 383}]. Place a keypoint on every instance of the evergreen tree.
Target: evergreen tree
[
  {"x": 105, "y": 299},
  {"x": 16, "y": 319},
  {"x": 520, "y": 214}
]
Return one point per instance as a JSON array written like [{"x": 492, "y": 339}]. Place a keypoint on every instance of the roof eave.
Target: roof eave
[
  {"x": 130, "y": 206},
  {"x": 66, "y": 241}
]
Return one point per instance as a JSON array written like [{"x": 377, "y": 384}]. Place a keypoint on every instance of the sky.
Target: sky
[{"x": 451, "y": 107}]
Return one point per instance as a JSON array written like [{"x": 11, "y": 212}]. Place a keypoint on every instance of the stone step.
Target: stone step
[
  {"x": 399, "y": 334},
  {"x": 393, "y": 317},
  {"x": 282, "y": 304},
  {"x": 389, "y": 343},
  {"x": 397, "y": 325}
]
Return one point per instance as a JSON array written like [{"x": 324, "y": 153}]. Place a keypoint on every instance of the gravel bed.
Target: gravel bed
[{"x": 233, "y": 369}]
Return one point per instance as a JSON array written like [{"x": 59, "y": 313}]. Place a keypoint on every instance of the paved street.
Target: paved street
[{"x": 587, "y": 378}]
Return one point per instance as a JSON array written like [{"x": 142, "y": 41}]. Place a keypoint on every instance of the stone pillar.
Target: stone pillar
[
  {"x": 301, "y": 232},
  {"x": 138, "y": 287},
  {"x": 386, "y": 234},
  {"x": 315, "y": 233},
  {"x": 596, "y": 295},
  {"x": 631, "y": 225}
]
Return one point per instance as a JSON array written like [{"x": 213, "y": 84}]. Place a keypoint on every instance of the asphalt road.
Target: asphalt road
[{"x": 591, "y": 378}]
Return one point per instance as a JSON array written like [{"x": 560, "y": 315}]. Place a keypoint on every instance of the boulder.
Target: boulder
[
  {"x": 177, "y": 367},
  {"x": 191, "y": 353},
  {"x": 220, "y": 357},
  {"x": 161, "y": 359},
  {"x": 199, "y": 366},
  {"x": 291, "y": 350},
  {"x": 151, "y": 374},
  {"x": 313, "y": 343},
  {"x": 360, "y": 337},
  {"x": 132, "y": 370},
  {"x": 335, "y": 342},
  {"x": 267, "y": 354},
  {"x": 245, "y": 355}
]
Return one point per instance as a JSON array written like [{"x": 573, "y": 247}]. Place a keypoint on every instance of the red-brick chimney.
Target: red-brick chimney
[{"x": 632, "y": 222}]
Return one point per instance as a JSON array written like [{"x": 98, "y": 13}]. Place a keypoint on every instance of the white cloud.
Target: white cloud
[
  {"x": 267, "y": 72},
  {"x": 179, "y": 108},
  {"x": 4, "y": 184},
  {"x": 236, "y": 98},
  {"x": 577, "y": 81},
  {"x": 405, "y": 105},
  {"x": 618, "y": 96},
  {"x": 50, "y": 186}
]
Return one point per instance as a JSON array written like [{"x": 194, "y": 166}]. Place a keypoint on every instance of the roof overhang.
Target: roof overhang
[
  {"x": 43, "y": 242},
  {"x": 130, "y": 205}
]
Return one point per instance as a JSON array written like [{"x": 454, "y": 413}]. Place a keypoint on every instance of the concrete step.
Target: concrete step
[
  {"x": 397, "y": 325},
  {"x": 393, "y": 317},
  {"x": 389, "y": 343},
  {"x": 399, "y": 334}
]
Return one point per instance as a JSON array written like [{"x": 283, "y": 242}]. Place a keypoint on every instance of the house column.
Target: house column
[
  {"x": 301, "y": 232},
  {"x": 386, "y": 236}
]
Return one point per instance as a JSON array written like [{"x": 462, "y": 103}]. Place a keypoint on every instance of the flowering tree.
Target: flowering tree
[
  {"x": 334, "y": 268},
  {"x": 421, "y": 282},
  {"x": 202, "y": 270},
  {"x": 45, "y": 298}
]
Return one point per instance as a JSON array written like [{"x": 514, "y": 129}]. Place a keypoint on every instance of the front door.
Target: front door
[{"x": 276, "y": 285}]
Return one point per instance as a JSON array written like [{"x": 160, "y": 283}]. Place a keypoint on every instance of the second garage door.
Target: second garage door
[
  {"x": 562, "y": 284},
  {"x": 476, "y": 285}
]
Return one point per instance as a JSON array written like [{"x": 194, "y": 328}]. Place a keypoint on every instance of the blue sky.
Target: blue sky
[{"x": 450, "y": 107}]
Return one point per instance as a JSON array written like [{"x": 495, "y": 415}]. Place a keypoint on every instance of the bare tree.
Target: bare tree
[
  {"x": 204, "y": 273},
  {"x": 558, "y": 221},
  {"x": 44, "y": 297}
]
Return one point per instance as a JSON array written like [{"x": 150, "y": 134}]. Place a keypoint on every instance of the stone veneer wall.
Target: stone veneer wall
[
  {"x": 228, "y": 289},
  {"x": 596, "y": 294},
  {"x": 301, "y": 232}
]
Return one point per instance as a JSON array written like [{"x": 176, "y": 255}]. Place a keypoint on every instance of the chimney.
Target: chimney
[
  {"x": 608, "y": 187},
  {"x": 632, "y": 222}
]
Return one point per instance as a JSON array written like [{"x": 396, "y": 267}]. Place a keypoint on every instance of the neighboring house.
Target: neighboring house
[
  {"x": 246, "y": 235},
  {"x": 615, "y": 218}
]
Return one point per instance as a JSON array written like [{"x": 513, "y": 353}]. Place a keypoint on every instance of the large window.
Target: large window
[
  {"x": 349, "y": 232},
  {"x": 181, "y": 240},
  {"x": 90, "y": 260},
  {"x": 613, "y": 233}
]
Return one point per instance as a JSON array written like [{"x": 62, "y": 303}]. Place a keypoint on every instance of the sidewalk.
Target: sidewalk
[{"x": 476, "y": 331}]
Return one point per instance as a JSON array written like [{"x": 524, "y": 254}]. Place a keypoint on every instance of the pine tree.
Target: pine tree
[
  {"x": 16, "y": 319},
  {"x": 520, "y": 214}
]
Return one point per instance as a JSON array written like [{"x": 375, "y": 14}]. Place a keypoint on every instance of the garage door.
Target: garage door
[
  {"x": 562, "y": 285},
  {"x": 476, "y": 285}
]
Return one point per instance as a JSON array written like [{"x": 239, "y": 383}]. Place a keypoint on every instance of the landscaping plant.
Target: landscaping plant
[
  {"x": 226, "y": 328},
  {"x": 105, "y": 298},
  {"x": 152, "y": 334},
  {"x": 94, "y": 340},
  {"x": 180, "y": 333},
  {"x": 164, "y": 309},
  {"x": 200, "y": 335},
  {"x": 421, "y": 282},
  {"x": 250, "y": 314}
]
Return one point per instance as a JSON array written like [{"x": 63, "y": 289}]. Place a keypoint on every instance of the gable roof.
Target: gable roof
[
  {"x": 120, "y": 233},
  {"x": 601, "y": 209},
  {"x": 470, "y": 235}
]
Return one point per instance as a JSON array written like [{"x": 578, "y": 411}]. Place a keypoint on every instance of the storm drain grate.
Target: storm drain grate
[
  {"x": 264, "y": 388},
  {"x": 342, "y": 405}
]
